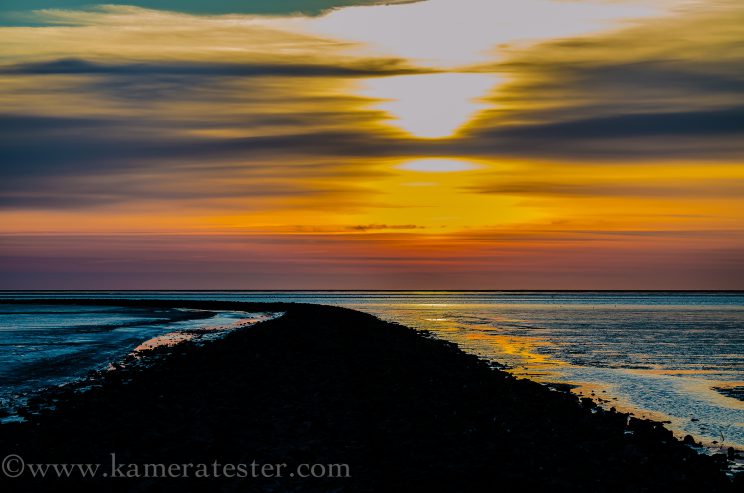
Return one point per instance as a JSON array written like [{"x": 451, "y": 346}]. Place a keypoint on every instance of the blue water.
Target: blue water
[
  {"x": 669, "y": 356},
  {"x": 47, "y": 345}
]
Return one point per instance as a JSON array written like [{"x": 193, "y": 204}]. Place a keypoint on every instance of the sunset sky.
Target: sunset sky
[{"x": 438, "y": 144}]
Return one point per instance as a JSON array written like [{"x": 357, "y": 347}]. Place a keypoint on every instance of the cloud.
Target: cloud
[
  {"x": 670, "y": 87},
  {"x": 715, "y": 188},
  {"x": 109, "y": 168},
  {"x": 381, "y": 227},
  {"x": 703, "y": 134},
  {"x": 221, "y": 112},
  {"x": 723, "y": 122},
  {"x": 368, "y": 68},
  {"x": 11, "y": 11}
]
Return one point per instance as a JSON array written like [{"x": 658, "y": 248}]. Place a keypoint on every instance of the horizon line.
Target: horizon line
[{"x": 5, "y": 291}]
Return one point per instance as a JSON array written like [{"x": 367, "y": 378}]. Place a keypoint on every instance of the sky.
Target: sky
[{"x": 434, "y": 144}]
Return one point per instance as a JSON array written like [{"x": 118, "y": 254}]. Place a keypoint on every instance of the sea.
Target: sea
[{"x": 671, "y": 356}]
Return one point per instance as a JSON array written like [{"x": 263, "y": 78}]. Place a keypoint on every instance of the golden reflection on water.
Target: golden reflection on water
[
  {"x": 523, "y": 348},
  {"x": 657, "y": 362}
]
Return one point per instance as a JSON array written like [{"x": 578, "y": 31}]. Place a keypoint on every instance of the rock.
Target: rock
[{"x": 588, "y": 403}]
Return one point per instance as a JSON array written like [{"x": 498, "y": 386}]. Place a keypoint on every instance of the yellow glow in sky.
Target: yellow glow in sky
[{"x": 436, "y": 144}]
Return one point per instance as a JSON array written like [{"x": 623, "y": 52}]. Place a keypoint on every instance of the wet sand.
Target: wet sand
[{"x": 325, "y": 385}]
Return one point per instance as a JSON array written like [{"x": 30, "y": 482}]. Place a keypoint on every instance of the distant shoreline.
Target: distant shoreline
[
  {"x": 737, "y": 291},
  {"x": 333, "y": 385}
]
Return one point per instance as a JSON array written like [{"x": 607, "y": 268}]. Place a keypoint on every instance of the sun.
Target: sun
[{"x": 430, "y": 106}]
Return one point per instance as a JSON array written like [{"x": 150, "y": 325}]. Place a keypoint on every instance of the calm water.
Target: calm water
[
  {"x": 43, "y": 346},
  {"x": 670, "y": 356}
]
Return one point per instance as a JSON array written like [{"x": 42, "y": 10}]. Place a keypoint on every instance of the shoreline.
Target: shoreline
[
  {"x": 205, "y": 334},
  {"x": 499, "y": 429},
  {"x": 198, "y": 326}
]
